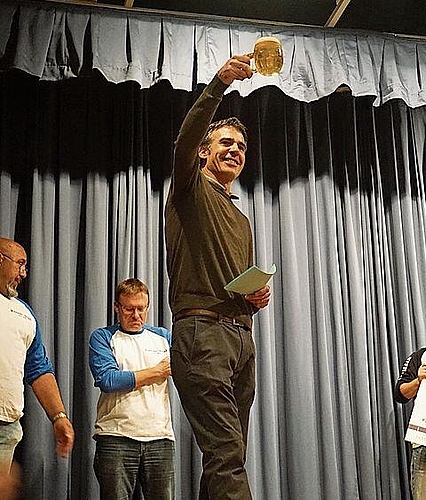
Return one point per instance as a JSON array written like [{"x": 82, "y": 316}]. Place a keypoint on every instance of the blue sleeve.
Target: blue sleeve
[
  {"x": 103, "y": 365},
  {"x": 37, "y": 362}
]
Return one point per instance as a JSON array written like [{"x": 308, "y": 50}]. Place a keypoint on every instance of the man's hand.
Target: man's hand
[
  {"x": 64, "y": 435},
  {"x": 163, "y": 368},
  {"x": 260, "y": 298},
  {"x": 156, "y": 374},
  {"x": 421, "y": 374},
  {"x": 236, "y": 68}
]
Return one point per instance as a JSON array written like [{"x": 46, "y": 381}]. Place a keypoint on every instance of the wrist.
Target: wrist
[{"x": 60, "y": 414}]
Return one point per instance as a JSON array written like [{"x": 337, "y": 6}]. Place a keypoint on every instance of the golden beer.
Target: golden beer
[{"x": 268, "y": 56}]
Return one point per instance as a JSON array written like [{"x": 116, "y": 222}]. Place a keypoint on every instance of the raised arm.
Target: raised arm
[{"x": 194, "y": 127}]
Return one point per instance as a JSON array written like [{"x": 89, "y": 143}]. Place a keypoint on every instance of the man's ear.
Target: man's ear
[{"x": 203, "y": 152}]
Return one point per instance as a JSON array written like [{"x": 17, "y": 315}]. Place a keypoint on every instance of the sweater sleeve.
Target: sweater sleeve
[
  {"x": 408, "y": 373},
  {"x": 186, "y": 165},
  {"x": 103, "y": 365}
]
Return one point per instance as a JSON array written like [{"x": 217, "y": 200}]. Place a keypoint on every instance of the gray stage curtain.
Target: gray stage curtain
[
  {"x": 335, "y": 193},
  {"x": 335, "y": 190},
  {"x": 49, "y": 40}
]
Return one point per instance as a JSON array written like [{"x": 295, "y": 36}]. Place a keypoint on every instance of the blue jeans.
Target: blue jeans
[
  {"x": 418, "y": 472},
  {"x": 123, "y": 466}
]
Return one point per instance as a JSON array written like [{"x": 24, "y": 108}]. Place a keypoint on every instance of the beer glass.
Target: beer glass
[{"x": 268, "y": 56}]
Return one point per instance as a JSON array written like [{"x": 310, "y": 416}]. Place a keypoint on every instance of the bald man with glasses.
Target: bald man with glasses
[
  {"x": 133, "y": 430},
  {"x": 23, "y": 358}
]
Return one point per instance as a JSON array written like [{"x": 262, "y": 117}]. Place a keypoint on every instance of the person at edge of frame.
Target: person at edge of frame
[{"x": 23, "y": 358}]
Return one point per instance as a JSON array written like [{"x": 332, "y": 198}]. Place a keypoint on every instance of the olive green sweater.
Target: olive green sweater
[{"x": 208, "y": 240}]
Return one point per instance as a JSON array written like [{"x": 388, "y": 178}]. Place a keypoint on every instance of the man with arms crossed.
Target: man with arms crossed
[
  {"x": 23, "y": 358},
  {"x": 133, "y": 431},
  {"x": 209, "y": 242}
]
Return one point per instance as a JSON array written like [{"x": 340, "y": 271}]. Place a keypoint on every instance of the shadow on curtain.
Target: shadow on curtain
[{"x": 335, "y": 192}]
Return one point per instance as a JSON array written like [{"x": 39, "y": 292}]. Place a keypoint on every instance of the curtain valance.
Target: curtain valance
[{"x": 56, "y": 41}]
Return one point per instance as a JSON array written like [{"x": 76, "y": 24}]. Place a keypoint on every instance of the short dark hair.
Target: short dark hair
[
  {"x": 227, "y": 122},
  {"x": 131, "y": 286}
]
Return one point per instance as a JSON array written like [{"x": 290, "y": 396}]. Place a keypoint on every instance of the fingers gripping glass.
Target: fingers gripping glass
[
  {"x": 22, "y": 265},
  {"x": 131, "y": 310}
]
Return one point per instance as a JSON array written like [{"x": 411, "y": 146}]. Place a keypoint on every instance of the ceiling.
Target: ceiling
[{"x": 405, "y": 17}]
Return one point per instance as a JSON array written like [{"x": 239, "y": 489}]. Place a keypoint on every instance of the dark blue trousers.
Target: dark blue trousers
[{"x": 123, "y": 466}]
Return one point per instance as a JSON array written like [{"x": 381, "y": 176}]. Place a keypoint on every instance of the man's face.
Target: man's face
[
  {"x": 13, "y": 260},
  {"x": 225, "y": 155},
  {"x": 132, "y": 311}
]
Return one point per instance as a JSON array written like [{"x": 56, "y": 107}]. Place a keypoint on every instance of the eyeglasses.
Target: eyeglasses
[
  {"x": 22, "y": 265},
  {"x": 132, "y": 310}
]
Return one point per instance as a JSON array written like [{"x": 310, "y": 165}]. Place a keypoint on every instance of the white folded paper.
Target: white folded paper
[{"x": 251, "y": 280}]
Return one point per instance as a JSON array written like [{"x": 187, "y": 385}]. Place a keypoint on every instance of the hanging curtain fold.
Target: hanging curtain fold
[
  {"x": 335, "y": 193},
  {"x": 59, "y": 41}
]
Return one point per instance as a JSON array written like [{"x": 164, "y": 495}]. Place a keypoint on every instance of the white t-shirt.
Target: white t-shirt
[
  {"x": 22, "y": 355},
  {"x": 144, "y": 413}
]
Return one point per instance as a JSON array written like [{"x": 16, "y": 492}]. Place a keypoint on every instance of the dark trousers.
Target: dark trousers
[
  {"x": 124, "y": 467},
  {"x": 213, "y": 368}
]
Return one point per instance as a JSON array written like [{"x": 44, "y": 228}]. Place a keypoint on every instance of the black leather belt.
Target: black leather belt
[{"x": 187, "y": 313}]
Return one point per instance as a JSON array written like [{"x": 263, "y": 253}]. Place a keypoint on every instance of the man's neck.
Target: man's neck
[
  {"x": 130, "y": 332},
  {"x": 226, "y": 187}
]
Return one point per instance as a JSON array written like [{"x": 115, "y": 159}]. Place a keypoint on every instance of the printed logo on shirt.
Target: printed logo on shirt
[
  {"x": 156, "y": 351},
  {"x": 21, "y": 314}
]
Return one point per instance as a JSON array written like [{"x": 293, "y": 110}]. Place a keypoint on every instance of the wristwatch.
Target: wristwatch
[{"x": 59, "y": 415}]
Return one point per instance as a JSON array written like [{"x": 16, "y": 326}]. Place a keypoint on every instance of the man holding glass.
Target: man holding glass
[{"x": 209, "y": 242}]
